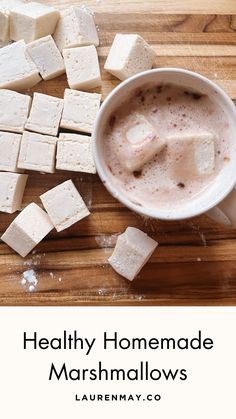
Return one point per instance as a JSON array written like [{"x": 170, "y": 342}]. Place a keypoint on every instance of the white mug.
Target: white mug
[{"x": 208, "y": 200}]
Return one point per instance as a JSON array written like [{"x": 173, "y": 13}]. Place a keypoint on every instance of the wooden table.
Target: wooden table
[{"x": 195, "y": 263}]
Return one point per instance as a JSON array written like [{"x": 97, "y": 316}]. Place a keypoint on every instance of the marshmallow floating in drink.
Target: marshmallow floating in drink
[
  {"x": 192, "y": 154},
  {"x": 140, "y": 144}
]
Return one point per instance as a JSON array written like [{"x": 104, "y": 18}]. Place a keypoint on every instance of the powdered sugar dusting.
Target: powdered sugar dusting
[
  {"x": 29, "y": 280},
  {"x": 102, "y": 291},
  {"x": 35, "y": 260},
  {"x": 54, "y": 276},
  {"x": 106, "y": 240}
]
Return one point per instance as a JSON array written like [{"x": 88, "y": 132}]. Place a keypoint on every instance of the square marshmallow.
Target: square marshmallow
[
  {"x": 27, "y": 230},
  {"x": 9, "y": 151},
  {"x": 74, "y": 152},
  {"x": 37, "y": 152},
  {"x": 45, "y": 114},
  {"x": 64, "y": 205},
  {"x": 12, "y": 186},
  {"x": 132, "y": 251},
  {"x": 5, "y": 7},
  {"x": 129, "y": 54},
  {"x": 47, "y": 57},
  {"x": 80, "y": 110},
  {"x": 76, "y": 27},
  {"x": 17, "y": 70},
  {"x": 193, "y": 154},
  {"x": 82, "y": 67},
  {"x": 31, "y": 21},
  {"x": 14, "y": 110},
  {"x": 141, "y": 143}
]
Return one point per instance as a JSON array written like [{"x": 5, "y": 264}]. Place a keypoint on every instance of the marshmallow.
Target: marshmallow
[
  {"x": 31, "y": 21},
  {"x": 14, "y": 110},
  {"x": 37, "y": 152},
  {"x": 82, "y": 67},
  {"x": 129, "y": 54},
  {"x": 5, "y": 7},
  {"x": 17, "y": 71},
  {"x": 131, "y": 253},
  {"x": 12, "y": 186},
  {"x": 27, "y": 230},
  {"x": 140, "y": 144},
  {"x": 74, "y": 152},
  {"x": 76, "y": 27},
  {"x": 64, "y": 205},
  {"x": 9, "y": 151},
  {"x": 47, "y": 57},
  {"x": 80, "y": 110},
  {"x": 45, "y": 114},
  {"x": 193, "y": 154}
]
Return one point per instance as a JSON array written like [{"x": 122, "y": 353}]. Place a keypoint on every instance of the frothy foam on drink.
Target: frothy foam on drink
[{"x": 197, "y": 139}]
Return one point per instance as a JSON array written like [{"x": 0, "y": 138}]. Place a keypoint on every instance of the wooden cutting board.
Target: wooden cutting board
[{"x": 195, "y": 263}]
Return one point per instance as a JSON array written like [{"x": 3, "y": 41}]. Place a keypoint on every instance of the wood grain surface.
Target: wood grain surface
[{"x": 195, "y": 263}]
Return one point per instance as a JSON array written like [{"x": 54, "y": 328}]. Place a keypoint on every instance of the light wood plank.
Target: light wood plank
[{"x": 160, "y": 6}]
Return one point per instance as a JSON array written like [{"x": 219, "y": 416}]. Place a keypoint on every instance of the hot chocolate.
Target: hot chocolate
[{"x": 166, "y": 144}]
